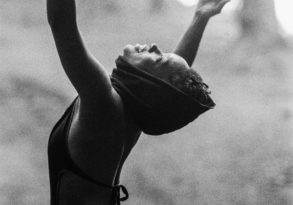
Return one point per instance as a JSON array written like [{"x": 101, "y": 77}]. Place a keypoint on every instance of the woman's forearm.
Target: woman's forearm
[
  {"x": 188, "y": 45},
  {"x": 61, "y": 12}
]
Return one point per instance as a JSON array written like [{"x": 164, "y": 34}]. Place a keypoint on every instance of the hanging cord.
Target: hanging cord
[{"x": 116, "y": 193}]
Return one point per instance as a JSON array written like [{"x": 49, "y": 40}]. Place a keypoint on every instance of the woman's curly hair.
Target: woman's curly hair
[{"x": 189, "y": 82}]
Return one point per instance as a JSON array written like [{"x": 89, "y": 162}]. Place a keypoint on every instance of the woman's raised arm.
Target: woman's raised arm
[
  {"x": 87, "y": 75},
  {"x": 188, "y": 46}
]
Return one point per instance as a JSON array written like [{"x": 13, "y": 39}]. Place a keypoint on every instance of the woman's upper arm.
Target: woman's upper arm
[{"x": 87, "y": 74}]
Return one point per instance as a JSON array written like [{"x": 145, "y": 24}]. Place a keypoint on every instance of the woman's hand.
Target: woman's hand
[
  {"x": 209, "y": 8},
  {"x": 188, "y": 45}
]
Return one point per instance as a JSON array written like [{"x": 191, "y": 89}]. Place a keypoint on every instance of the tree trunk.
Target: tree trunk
[
  {"x": 260, "y": 41},
  {"x": 258, "y": 22}
]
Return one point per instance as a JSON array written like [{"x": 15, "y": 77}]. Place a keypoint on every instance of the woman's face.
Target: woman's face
[{"x": 152, "y": 60}]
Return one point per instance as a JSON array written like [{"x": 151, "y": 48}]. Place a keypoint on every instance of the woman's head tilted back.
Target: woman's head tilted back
[
  {"x": 151, "y": 60},
  {"x": 159, "y": 89},
  {"x": 167, "y": 66}
]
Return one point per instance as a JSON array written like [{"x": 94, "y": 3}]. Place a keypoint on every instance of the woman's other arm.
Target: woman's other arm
[
  {"x": 189, "y": 43},
  {"x": 87, "y": 75}
]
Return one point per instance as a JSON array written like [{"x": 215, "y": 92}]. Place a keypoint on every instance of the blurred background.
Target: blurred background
[{"x": 240, "y": 153}]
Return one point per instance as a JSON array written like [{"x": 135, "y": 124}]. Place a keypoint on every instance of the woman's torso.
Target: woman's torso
[{"x": 98, "y": 142}]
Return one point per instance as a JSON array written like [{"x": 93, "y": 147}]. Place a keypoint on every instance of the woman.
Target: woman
[{"x": 149, "y": 91}]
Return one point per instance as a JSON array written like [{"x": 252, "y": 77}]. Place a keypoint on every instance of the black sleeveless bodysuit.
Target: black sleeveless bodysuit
[{"x": 60, "y": 160}]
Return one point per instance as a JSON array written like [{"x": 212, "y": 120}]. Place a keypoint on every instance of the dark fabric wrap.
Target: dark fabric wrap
[{"x": 155, "y": 105}]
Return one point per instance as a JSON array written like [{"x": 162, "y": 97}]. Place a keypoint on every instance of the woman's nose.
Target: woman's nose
[{"x": 154, "y": 48}]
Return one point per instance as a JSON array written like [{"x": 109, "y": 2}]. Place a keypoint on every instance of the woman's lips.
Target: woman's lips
[
  {"x": 135, "y": 49},
  {"x": 141, "y": 48}
]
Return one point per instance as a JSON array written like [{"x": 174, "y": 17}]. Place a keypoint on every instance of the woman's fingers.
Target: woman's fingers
[
  {"x": 211, "y": 7},
  {"x": 222, "y": 3}
]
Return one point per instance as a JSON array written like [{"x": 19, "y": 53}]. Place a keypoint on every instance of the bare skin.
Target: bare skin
[{"x": 101, "y": 136}]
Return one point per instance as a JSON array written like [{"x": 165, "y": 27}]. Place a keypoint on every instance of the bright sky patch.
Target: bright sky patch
[{"x": 284, "y": 12}]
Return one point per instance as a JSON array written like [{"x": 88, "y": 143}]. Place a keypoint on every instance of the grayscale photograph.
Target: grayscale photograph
[{"x": 146, "y": 102}]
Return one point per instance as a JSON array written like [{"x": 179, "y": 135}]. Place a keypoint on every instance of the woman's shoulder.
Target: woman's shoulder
[
  {"x": 93, "y": 131},
  {"x": 101, "y": 113},
  {"x": 106, "y": 121}
]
